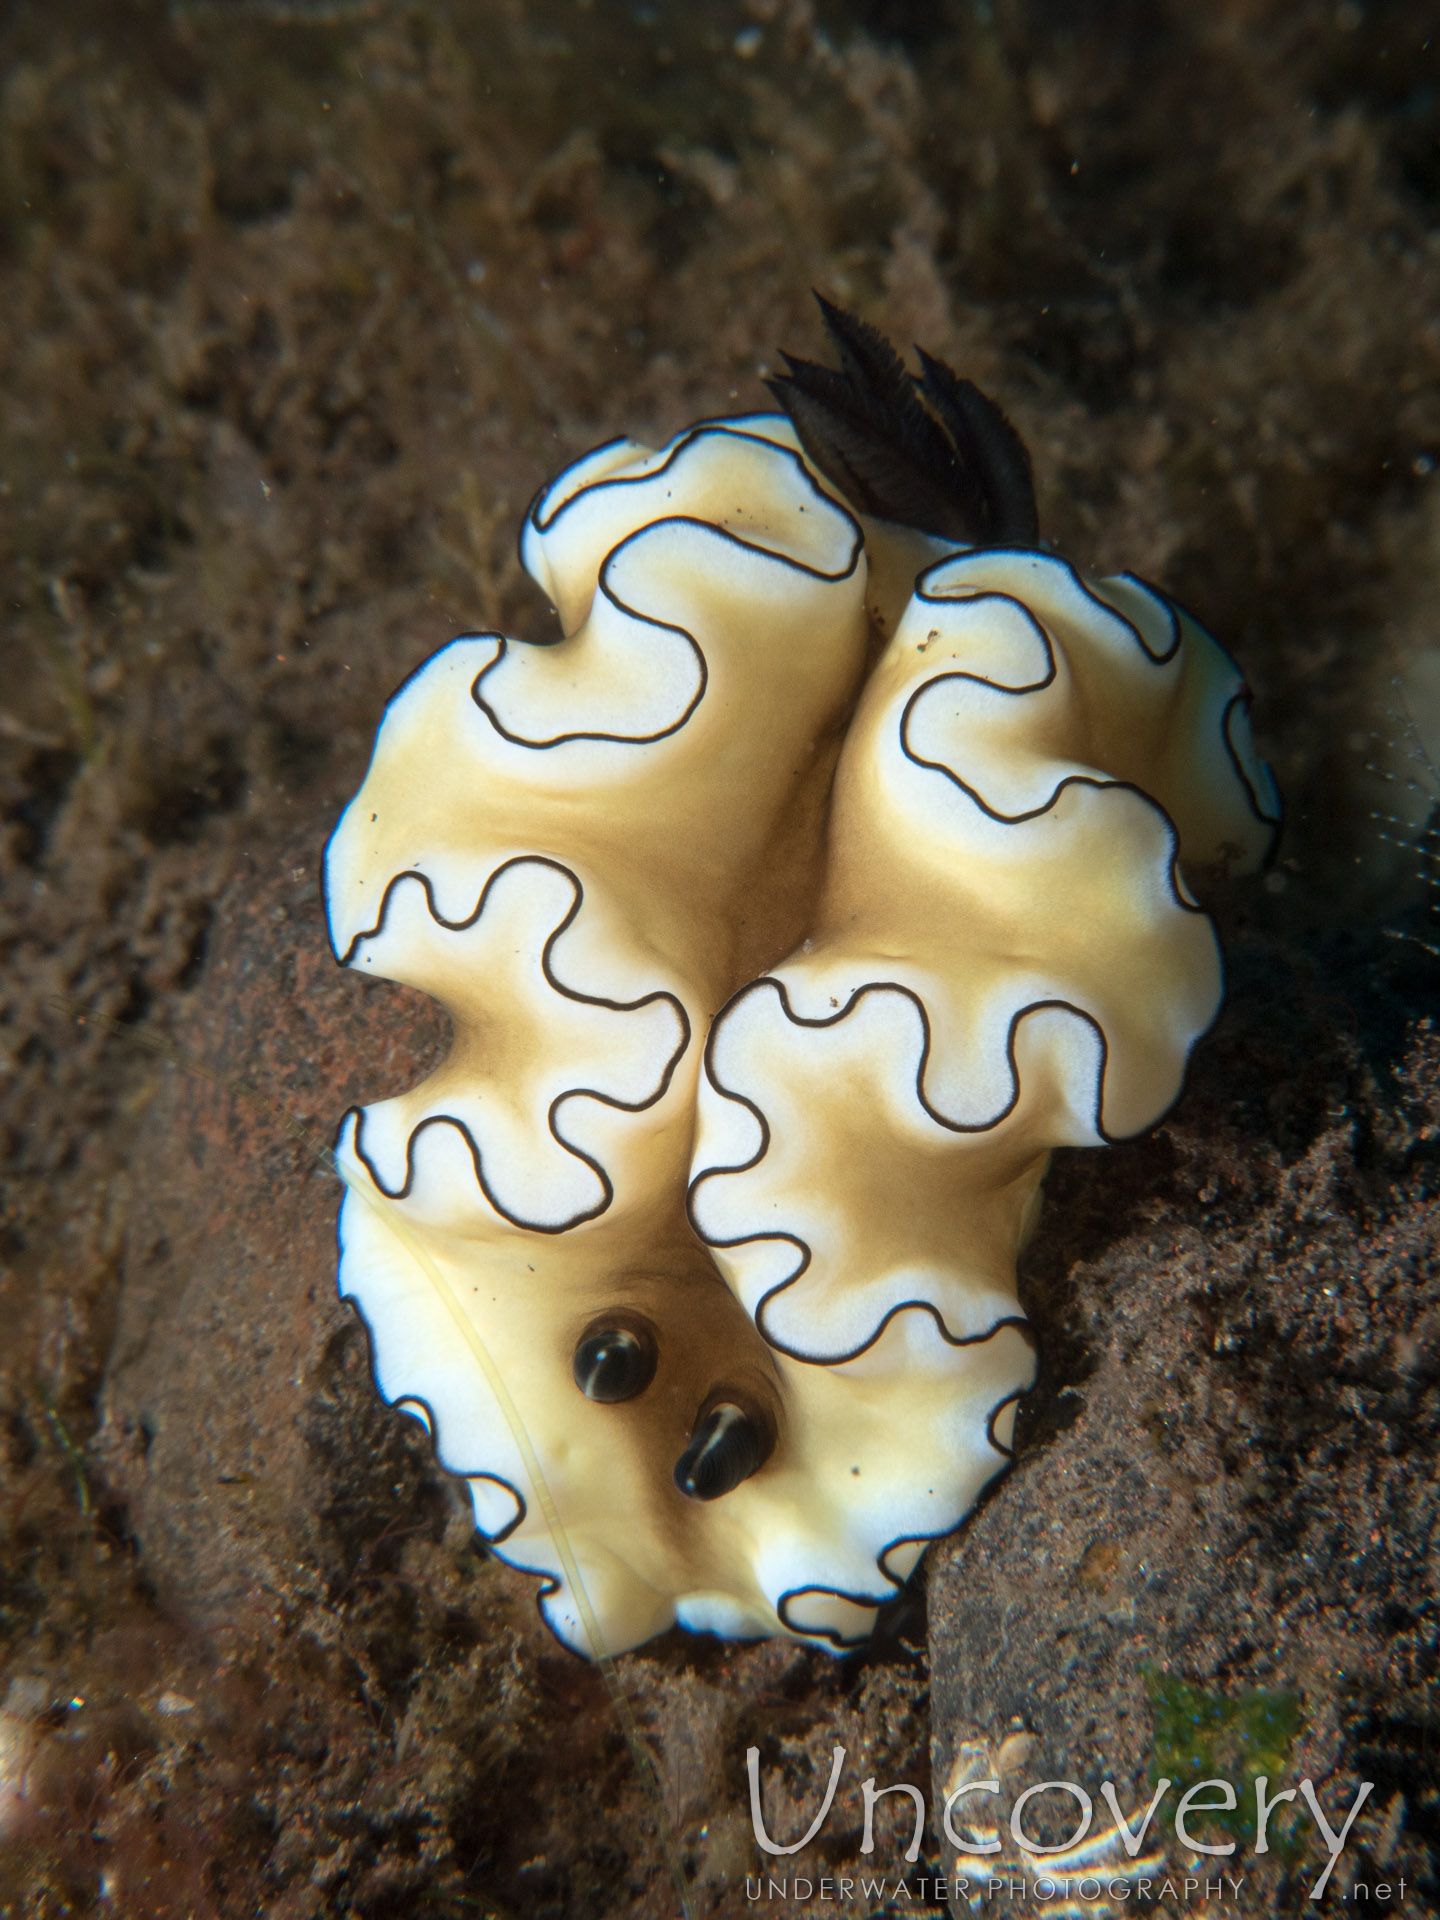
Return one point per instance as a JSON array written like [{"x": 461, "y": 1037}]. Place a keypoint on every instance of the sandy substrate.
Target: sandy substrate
[{"x": 300, "y": 304}]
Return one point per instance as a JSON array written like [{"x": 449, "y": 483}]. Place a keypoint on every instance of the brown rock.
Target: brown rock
[
  {"x": 239, "y": 1417},
  {"x": 1215, "y": 1483}
]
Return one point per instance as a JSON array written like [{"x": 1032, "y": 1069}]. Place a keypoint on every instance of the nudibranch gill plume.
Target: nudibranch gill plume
[{"x": 831, "y": 867}]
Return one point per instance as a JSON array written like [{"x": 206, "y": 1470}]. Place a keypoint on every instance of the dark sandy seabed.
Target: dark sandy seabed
[{"x": 298, "y": 304}]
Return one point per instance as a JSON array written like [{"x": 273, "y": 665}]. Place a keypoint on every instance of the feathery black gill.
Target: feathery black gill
[{"x": 930, "y": 451}]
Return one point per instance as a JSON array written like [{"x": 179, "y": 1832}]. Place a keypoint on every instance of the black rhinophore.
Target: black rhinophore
[
  {"x": 930, "y": 451},
  {"x": 614, "y": 1362},
  {"x": 728, "y": 1445}
]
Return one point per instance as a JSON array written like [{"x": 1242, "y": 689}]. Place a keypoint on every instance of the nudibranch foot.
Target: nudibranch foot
[{"x": 834, "y": 864}]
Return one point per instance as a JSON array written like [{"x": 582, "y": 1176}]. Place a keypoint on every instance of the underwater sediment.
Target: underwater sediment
[{"x": 301, "y": 306}]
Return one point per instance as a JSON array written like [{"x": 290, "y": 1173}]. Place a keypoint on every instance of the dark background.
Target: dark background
[{"x": 298, "y": 305}]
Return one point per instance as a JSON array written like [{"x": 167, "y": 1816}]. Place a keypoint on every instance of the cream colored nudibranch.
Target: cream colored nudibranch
[{"x": 760, "y": 1363}]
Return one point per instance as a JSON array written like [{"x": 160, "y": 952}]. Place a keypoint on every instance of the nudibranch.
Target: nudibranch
[{"x": 829, "y": 869}]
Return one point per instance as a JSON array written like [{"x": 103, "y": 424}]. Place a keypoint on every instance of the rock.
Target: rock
[
  {"x": 239, "y": 1418},
  {"x": 1212, "y": 1504}
]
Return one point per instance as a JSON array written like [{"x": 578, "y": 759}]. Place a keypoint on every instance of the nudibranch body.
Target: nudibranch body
[{"x": 785, "y": 930}]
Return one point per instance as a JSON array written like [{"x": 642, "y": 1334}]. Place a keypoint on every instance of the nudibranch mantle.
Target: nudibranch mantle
[{"x": 787, "y": 921}]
